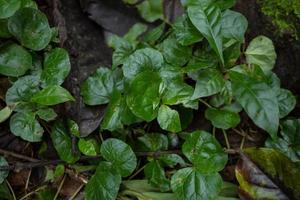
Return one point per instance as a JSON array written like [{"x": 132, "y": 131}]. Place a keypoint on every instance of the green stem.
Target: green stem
[
  {"x": 205, "y": 103},
  {"x": 226, "y": 139}
]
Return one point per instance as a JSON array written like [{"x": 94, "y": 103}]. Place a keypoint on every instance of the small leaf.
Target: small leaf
[
  {"x": 5, "y": 113},
  {"x": 8, "y": 8},
  {"x": 52, "y": 95},
  {"x": 153, "y": 142},
  {"x": 151, "y": 10},
  {"x": 222, "y": 119},
  {"x": 104, "y": 184},
  {"x": 26, "y": 126},
  {"x": 134, "y": 32},
  {"x": 143, "y": 95},
  {"x": 3, "y": 173},
  {"x": 267, "y": 174},
  {"x": 96, "y": 90},
  {"x": 14, "y": 60},
  {"x": 73, "y": 128},
  {"x": 208, "y": 20},
  {"x": 156, "y": 176},
  {"x": 168, "y": 119},
  {"x": 120, "y": 155},
  {"x": 4, "y": 32},
  {"x": 209, "y": 82},
  {"x": 62, "y": 143},
  {"x": 56, "y": 67},
  {"x": 189, "y": 184},
  {"x": 88, "y": 147},
  {"x": 5, "y": 192},
  {"x": 287, "y": 102},
  {"x": 258, "y": 100},
  {"x": 47, "y": 114},
  {"x": 261, "y": 52},
  {"x": 204, "y": 151},
  {"x": 171, "y": 160},
  {"x": 31, "y": 28}
]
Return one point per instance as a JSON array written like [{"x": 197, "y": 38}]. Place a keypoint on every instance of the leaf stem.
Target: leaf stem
[
  {"x": 205, "y": 103},
  {"x": 60, "y": 187},
  {"x": 11, "y": 190},
  {"x": 226, "y": 139}
]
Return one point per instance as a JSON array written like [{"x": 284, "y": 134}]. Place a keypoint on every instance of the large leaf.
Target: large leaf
[
  {"x": 26, "y": 126},
  {"x": 234, "y": 25},
  {"x": 3, "y": 173},
  {"x": 143, "y": 95},
  {"x": 56, "y": 67},
  {"x": 168, "y": 119},
  {"x": 22, "y": 90},
  {"x": 189, "y": 184},
  {"x": 204, "y": 151},
  {"x": 156, "y": 175},
  {"x": 141, "y": 60},
  {"x": 62, "y": 142},
  {"x": 223, "y": 119},
  {"x": 8, "y": 8},
  {"x": 258, "y": 100},
  {"x": 120, "y": 155},
  {"x": 289, "y": 144},
  {"x": 287, "y": 102},
  {"x": 30, "y": 27},
  {"x": 14, "y": 60},
  {"x": 209, "y": 82},
  {"x": 52, "y": 95},
  {"x": 104, "y": 184},
  {"x": 208, "y": 20},
  {"x": 267, "y": 174},
  {"x": 261, "y": 52}
]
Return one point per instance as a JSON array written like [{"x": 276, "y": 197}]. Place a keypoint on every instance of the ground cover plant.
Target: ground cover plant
[{"x": 162, "y": 79}]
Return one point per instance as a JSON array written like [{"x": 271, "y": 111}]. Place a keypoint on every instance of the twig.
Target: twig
[
  {"x": 60, "y": 187},
  {"x": 226, "y": 139},
  {"x": 12, "y": 154},
  {"x": 205, "y": 103},
  {"x": 33, "y": 192},
  {"x": 137, "y": 172},
  {"x": 11, "y": 190},
  {"x": 76, "y": 192}
]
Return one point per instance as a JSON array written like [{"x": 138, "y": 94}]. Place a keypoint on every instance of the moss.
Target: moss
[{"x": 285, "y": 14}]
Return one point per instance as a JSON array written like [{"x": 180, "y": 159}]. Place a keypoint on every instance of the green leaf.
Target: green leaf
[
  {"x": 120, "y": 155},
  {"x": 174, "y": 53},
  {"x": 73, "y": 128},
  {"x": 209, "y": 82},
  {"x": 289, "y": 144},
  {"x": 120, "y": 55},
  {"x": 151, "y": 10},
  {"x": 8, "y": 8},
  {"x": 225, "y": 4},
  {"x": 143, "y": 95},
  {"x": 153, "y": 142},
  {"x": 88, "y": 147},
  {"x": 287, "y": 102},
  {"x": 156, "y": 176},
  {"x": 22, "y": 90},
  {"x": 261, "y": 52},
  {"x": 4, "y": 32},
  {"x": 189, "y": 184},
  {"x": 47, "y": 114},
  {"x": 134, "y": 32},
  {"x": 14, "y": 60},
  {"x": 171, "y": 160},
  {"x": 5, "y": 113},
  {"x": 29, "y": 4},
  {"x": 104, "y": 184},
  {"x": 141, "y": 60},
  {"x": 52, "y": 95},
  {"x": 30, "y": 27},
  {"x": 168, "y": 119},
  {"x": 222, "y": 119},
  {"x": 204, "y": 151},
  {"x": 97, "y": 89},
  {"x": 234, "y": 25},
  {"x": 5, "y": 192},
  {"x": 56, "y": 67},
  {"x": 258, "y": 100},
  {"x": 26, "y": 126},
  {"x": 267, "y": 174},
  {"x": 153, "y": 35},
  {"x": 62, "y": 142},
  {"x": 208, "y": 20},
  {"x": 3, "y": 173},
  {"x": 185, "y": 32},
  {"x": 59, "y": 171}
]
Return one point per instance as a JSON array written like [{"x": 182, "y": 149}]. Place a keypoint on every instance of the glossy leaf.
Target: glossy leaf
[
  {"x": 56, "y": 67},
  {"x": 286, "y": 102},
  {"x": 209, "y": 82},
  {"x": 47, "y": 114},
  {"x": 171, "y": 160},
  {"x": 120, "y": 155},
  {"x": 5, "y": 113},
  {"x": 26, "y": 126},
  {"x": 261, "y": 52},
  {"x": 104, "y": 184},
  {"x": 189, "y": 184},
  {"x": 153, "y": 142},
  {"x": 62, "y": 142},
  {"x": 14, "y": 60},
  {"x": 258, "y": 100},
  {"x": 267, "y": 174},
  {"x": 143, "y": 95},
  {"x": 222, "y": 119},
  {"x": 168, "y": 119},
  {"x": 30, "y": 27},
  {"x": 3, "y": 173},
  {"x": 8, "y": 8},
  {"x": 52, "y": 95},
  {"x": 208, "y": 20},
  {"x": 88, "y": 147},
  {"x": 204, "y": 151}
]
